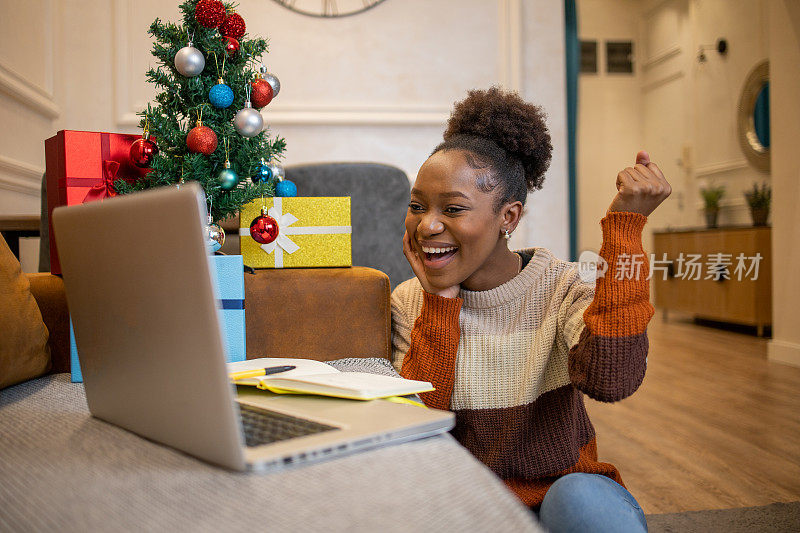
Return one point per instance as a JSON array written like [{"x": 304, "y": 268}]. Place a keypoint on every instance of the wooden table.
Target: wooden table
[{"x": 15, "y": 226}]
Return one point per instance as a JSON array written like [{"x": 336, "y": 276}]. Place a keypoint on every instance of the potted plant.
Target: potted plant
[
  {"x": 758, "y": 198},
  {"x": 711, "y": 198}
]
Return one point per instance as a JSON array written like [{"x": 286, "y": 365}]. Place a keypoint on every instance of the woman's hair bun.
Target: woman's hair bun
[{"x": 514, "y": 125}]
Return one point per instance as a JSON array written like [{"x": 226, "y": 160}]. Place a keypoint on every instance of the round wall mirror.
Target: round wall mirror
[{"x": 753, "y": 119}]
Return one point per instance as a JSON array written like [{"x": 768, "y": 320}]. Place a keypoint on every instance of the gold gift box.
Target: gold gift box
[{"x": 312, "y": 232}]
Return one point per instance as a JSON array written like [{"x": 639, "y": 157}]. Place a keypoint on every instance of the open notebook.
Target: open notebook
[{"x": 316, "y": 377}]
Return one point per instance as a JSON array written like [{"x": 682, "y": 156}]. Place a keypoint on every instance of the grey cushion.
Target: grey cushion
[
  {"x": 379, "y": 199},
  {"x": 63, "y": 470}
]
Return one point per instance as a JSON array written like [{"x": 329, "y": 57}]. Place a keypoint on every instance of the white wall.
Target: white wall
[
  {"x": 681, "y": 110},
  {"x": 377, "y": 86},
  {"x": 27, "y": 108},
  {"x": 610, "y": 126},
  {"x": 784, "y": 54},
  {"x": 666, "y": 60},
  {"x": 688, "y": 121},
  {"x": 532, "y": 61},
  {"x": 716, "y": 87}
]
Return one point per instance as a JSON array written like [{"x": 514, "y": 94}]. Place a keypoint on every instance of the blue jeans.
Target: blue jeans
[{"x": 590, "y": 503}]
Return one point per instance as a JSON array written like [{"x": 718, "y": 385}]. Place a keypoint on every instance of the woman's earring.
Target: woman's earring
[{"x": 506, "y": 234}]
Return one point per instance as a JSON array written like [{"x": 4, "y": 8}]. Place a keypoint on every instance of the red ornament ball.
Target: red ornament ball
[
  {"x": 231, "y": 46},
  {"x": 142, "y": 152},
  {"x": 232, "y": 26},
  {"x": 260, "y": 93},
  {"x": 210, "y": 13},
  {"x": 264, "y": 229},
  {"x": 202, "y": 139}
]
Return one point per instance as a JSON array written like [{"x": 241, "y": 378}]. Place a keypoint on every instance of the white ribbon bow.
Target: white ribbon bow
[{"x": 283, "y": 243}]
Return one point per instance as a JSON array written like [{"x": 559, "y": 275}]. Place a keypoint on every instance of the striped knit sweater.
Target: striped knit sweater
[{"x": 514, "y": 362}]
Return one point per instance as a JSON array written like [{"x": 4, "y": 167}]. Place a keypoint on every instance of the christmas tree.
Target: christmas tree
[{"x": 202, "y": 127}]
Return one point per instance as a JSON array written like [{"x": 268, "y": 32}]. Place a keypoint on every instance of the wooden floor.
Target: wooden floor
[{"x": 714, "y": 425}]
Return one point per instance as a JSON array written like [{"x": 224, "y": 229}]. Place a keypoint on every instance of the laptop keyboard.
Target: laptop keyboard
[{"x": 263, "y": 427}]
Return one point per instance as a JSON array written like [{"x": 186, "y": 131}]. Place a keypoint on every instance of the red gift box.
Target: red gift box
[{"x": 82, "y": 167}]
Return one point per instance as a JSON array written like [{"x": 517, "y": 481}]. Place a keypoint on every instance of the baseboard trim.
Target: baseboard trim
[
  {"x": 20, "y": 176},
  {"x": 784, "y": 352}
]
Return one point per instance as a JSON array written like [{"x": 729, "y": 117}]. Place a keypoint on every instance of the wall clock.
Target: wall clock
[{"x": 329, "y": 8}]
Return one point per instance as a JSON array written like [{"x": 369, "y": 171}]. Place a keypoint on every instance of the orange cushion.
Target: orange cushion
[{"x": 24, "y": 353}]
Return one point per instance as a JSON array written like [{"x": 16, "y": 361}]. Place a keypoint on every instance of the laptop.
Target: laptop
[{"x": 144, "y": 309}]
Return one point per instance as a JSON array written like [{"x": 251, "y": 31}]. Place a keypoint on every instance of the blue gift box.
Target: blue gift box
[{"x": 227, "y": 271}]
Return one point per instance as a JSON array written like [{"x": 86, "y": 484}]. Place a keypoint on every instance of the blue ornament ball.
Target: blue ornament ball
[
  {"x": 227, "y": 179},
  {"x": 220, "y": 96},
  {"x": 285, "y": 188},
  {"x": 263, "y": 174}
]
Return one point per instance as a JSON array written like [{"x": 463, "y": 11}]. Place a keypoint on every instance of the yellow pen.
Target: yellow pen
[{"x": 260, "y": 372}]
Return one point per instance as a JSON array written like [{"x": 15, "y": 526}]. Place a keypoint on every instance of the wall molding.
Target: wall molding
[
  {"x": 654, "y": 6},
  {"x": 128, "y": 119},
  {"x": 321, "y": 114},
  {"x": 29, "y": 180},
  {"x": 662, "y": 56},
  {"x": 27, "y": 92},
  {"x": 332, "y": 113},
  {"x": 335, "y": 114},
  {"x": 720, "y": 167},
  {"x": 649, "y": 86},
  {"x": 786, "y": 352},
  {"x": 737, "y": 202},
  {"x": 17, "y": 86}
]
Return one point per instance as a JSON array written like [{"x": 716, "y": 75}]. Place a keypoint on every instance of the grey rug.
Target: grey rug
[
  {"x": 62, "y": 470},
  {"x": 773, "y": 518}
]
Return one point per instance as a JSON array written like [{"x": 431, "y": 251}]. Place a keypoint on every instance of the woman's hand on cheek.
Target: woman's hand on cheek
[
  {"x": 641, "y": 188},
  {"x": 419, "y": 271}
]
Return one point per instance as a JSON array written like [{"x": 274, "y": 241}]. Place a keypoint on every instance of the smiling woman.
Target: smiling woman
[
  {"x": 511, "y": 340},
  {"x": 453, "y": 227},
  {"x": 472, "y": 190}
]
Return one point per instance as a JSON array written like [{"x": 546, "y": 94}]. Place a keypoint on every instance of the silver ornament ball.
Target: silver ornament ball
[
  {"x": 215, "y": 237},
  {"x": 189, "y": 61},
  {"x": 248, "y": 122},
  {"x": 277, "y": 170},
  {"x": 274, "y": 82}
]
